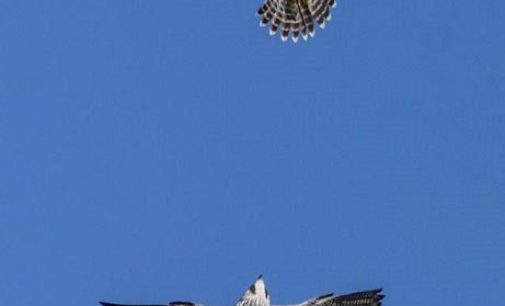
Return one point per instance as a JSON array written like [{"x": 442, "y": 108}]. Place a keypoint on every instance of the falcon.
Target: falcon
[
  {"x": 295, "y": 17},
  {"x": 257, "y": 295}
]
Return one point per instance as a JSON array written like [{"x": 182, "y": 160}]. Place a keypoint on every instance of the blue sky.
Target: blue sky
[{"x": 162, "y": 150}]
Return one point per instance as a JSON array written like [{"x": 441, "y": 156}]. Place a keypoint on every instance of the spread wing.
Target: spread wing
[
  {"x": 114, "y": 304},
  {"x": 176, "y": 303},
  {"x": 362, "y": 298}
]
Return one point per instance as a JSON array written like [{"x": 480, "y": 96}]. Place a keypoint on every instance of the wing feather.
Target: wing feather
[
  {"x": 175, "y": 303},
  {"x": 114, "y": 304},
  {"x": 361, "y": 298}
]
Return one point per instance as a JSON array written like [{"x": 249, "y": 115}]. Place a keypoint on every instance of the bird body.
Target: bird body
[{"x": 257, "y": 295}]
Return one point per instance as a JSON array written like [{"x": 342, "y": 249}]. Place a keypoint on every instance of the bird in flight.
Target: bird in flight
[
  {"x": 295, "y": 17},
  {"x": 257, "y": 295}
]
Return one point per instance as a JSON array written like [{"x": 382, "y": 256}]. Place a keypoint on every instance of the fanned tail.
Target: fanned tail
[{"x": 295, "y": 17}]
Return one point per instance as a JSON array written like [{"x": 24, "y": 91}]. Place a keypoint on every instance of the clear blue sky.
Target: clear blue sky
[{"x": 161, "y": 150}]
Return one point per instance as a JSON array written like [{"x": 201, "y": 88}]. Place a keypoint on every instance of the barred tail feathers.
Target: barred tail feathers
[{"x": 295, "y": 17}]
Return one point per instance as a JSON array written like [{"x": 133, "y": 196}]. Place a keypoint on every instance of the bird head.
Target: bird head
[{"x": 256, "y": 295}]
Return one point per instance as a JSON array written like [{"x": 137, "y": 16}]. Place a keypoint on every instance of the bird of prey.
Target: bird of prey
[
  {"x": 257, "y": 295},
  {"x": 295, "y": 16}
]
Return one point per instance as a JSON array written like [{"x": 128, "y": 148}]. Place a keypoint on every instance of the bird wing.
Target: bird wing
[
  {"x": 114, "y": 304},
  {"x": 175, "y": 303},
  {"x": 361, "y": 298}
]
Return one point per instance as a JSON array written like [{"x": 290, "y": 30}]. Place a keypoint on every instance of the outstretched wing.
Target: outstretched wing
[
  {"x": 176, "y": 303},
  {"x": 362, "y": 298},
  {"x": 114, "y": 304},
  {"x": 295, "y": 16}
]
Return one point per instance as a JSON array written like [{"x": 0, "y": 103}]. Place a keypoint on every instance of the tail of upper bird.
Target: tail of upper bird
[{"x": 295, "y": 17}]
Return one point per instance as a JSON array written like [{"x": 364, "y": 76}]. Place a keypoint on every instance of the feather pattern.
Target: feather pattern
[
  {"x": 295, "y": 17},
  {"x": 361, "y": 298}
]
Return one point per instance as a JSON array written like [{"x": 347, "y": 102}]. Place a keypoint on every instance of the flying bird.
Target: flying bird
[
  {"x": 295, "y": 17},
  {"x": 257, "y": 295}
]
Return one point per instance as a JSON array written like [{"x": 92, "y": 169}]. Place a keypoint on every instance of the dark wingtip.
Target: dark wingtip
[
  {"x": 109, "y": 304},
  {"x": 182, "y": 303},
  {"x": 260, "y": 276},
  {"x": 377, "y": 291},
  {"x": 324, "y": 296}
]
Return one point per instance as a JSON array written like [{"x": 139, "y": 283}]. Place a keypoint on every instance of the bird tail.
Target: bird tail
[{"x": 295, "y": 17}]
